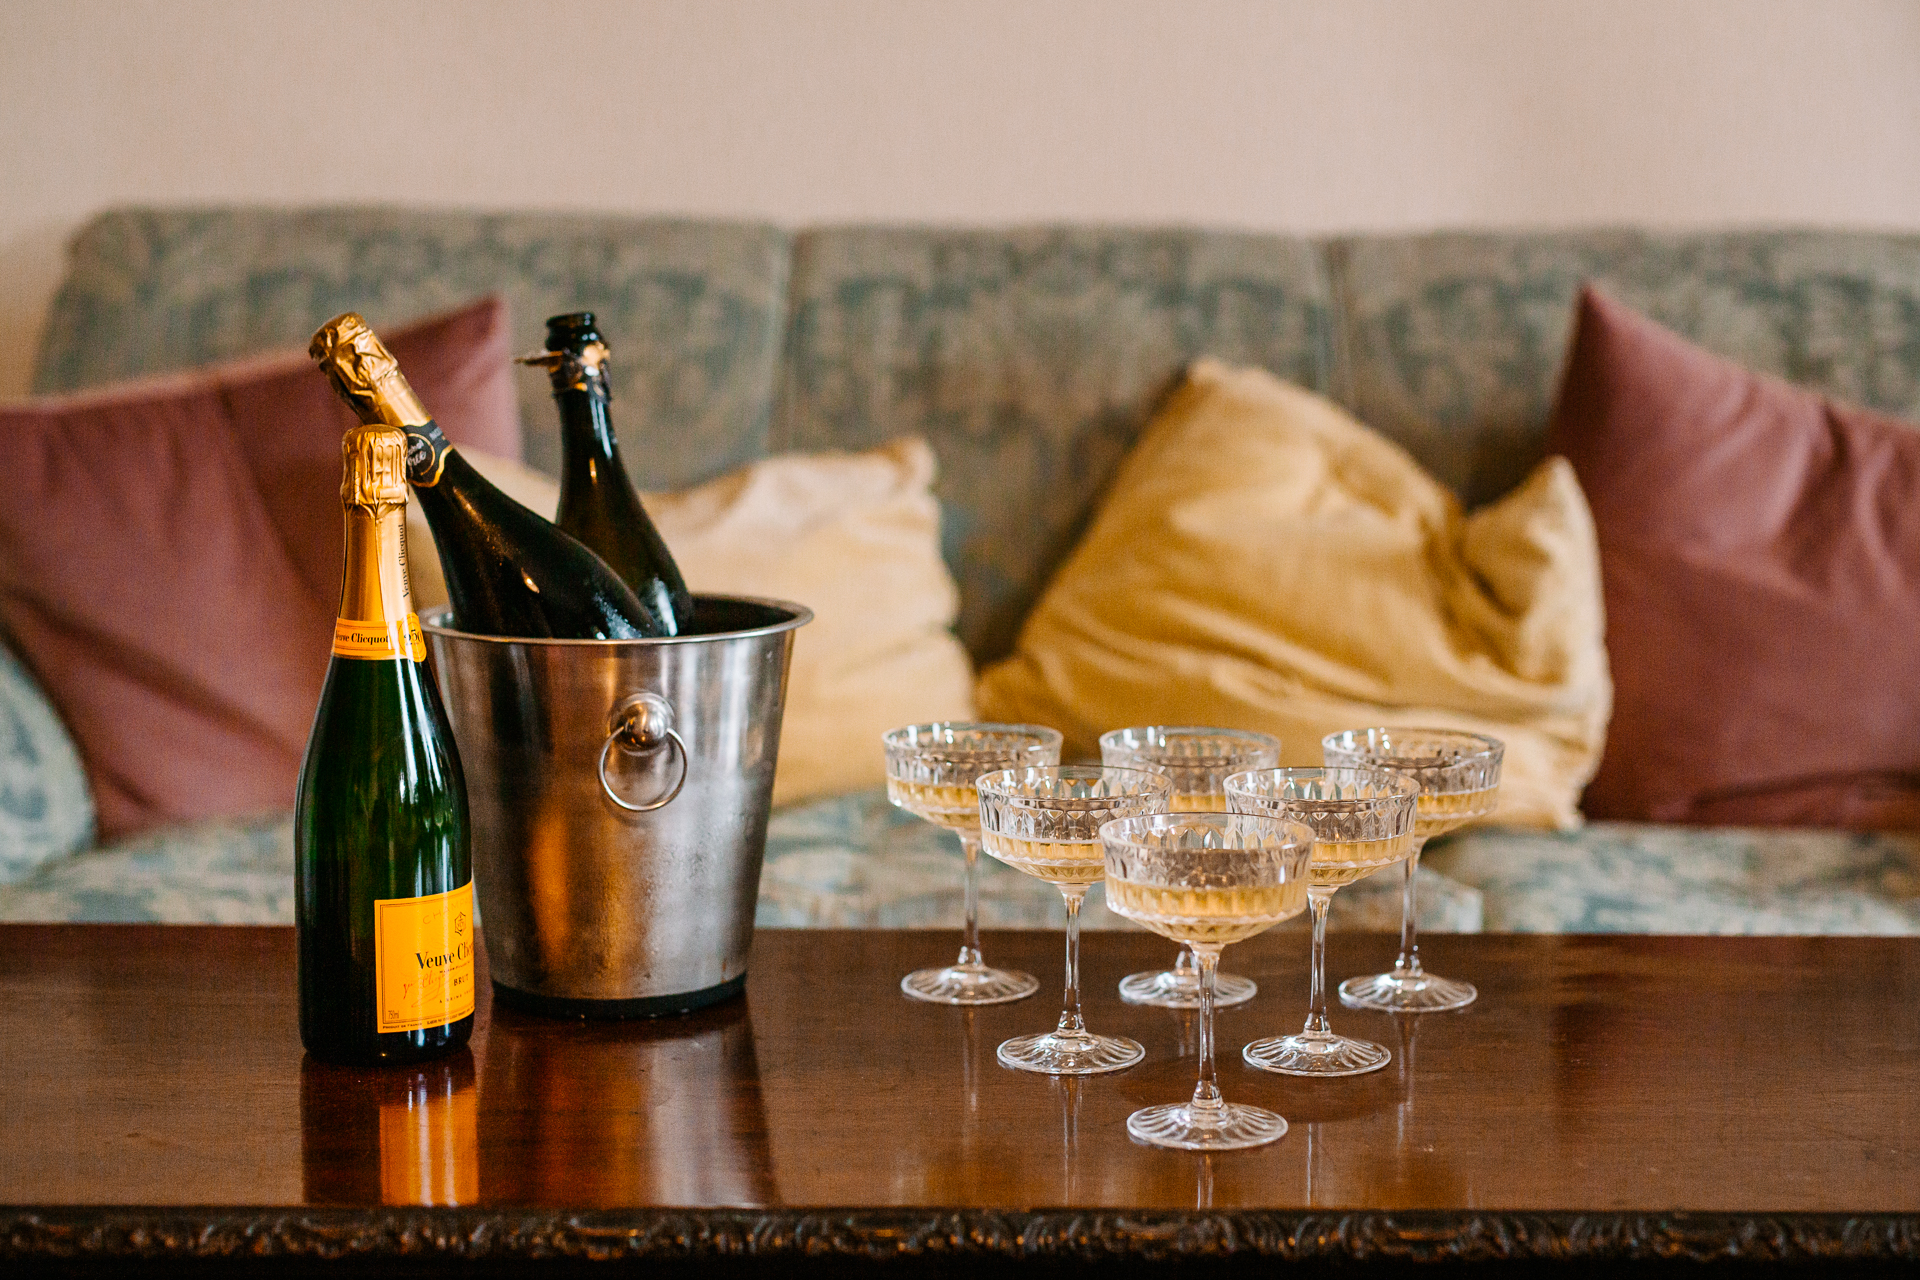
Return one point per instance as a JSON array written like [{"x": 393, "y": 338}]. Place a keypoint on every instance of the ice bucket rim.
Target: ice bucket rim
[{"x": 434, "y": 622}]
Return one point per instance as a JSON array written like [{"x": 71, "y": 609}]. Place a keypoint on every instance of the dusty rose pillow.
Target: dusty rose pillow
[
  {"x": 170, "y": 561},
  {"x": 1760, "y": 551}
]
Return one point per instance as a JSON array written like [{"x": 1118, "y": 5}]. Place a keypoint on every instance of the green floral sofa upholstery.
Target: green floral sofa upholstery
[{"x": 1030, "y": 358}]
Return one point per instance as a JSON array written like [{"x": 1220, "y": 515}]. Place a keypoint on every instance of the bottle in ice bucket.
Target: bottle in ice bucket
[
  {"x": 509, "y": 572},
  {"x": 598, "y": 504},
  {"x": 383, "y": 880}
]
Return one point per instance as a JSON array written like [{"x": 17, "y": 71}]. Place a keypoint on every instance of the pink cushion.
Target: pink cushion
[
  {"x": 1760, "y": 551},
  {"x": 170, "y": 561}
]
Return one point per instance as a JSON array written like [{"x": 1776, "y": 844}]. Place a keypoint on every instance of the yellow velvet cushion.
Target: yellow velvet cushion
[
  {"x": 855, "y": 538},
  {"x": 1264, "y": 561}
]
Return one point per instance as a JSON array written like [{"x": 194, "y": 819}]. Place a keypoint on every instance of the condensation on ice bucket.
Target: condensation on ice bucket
[{"x": 619, "y": 792}]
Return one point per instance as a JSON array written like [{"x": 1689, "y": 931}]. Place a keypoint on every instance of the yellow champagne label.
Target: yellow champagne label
[
  {"x": 423, "y": 960},
  {"x": 380, "y": 640}
]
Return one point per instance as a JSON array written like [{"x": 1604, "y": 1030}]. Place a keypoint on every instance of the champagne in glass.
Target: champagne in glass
[
  {"x": 1459, "y": 778},
  {"x": 930, "y": 773},
  {"x": 1362, "y": 820},
  {"x": 1198, "y": 760},
  {"x": 1206, "y": 879},
  {"x": 1046, "y": 822}
]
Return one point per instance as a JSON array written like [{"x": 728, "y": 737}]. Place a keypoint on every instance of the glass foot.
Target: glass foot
[
  {"x": 1316, "y": 1055},
  {"x": 1227, "y": 1127},
  {"x": 1062, "y": 1055},
  {"x": 1180, "y": 989},
  {"x": 969, "y": 984},
  {"x": 1407, "y": 991}
]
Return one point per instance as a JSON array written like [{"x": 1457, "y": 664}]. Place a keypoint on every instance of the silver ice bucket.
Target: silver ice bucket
[{"x": 619, "y": 792}]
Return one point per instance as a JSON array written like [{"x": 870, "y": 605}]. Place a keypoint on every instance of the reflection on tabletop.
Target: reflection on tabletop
[{"x": 598, "y": 1114}]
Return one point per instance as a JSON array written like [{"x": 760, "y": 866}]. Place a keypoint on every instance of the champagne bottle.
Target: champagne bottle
[
  {"x": 508, "y": 571},
  {"x": 383, "y": 884},
  {"x": 598, "y": 504}
]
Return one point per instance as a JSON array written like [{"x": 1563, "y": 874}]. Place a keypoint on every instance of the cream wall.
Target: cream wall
[{"x": 1309, "y": 115}]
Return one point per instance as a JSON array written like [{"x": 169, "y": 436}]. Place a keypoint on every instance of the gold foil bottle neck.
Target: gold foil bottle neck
[
  {"x": 375, "y": 468},
  {"x": 365, "y": 373}
]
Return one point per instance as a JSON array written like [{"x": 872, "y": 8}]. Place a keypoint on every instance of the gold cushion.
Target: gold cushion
[
  {"x": 1264, "y": 561},
  {"x": 855, "y": 538}
]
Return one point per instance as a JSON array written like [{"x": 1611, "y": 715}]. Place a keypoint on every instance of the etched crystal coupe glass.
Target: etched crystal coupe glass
[
  {"x": 1207, "y": 879},
  {"x": 1046, "y": 822},
  {"x": 1362, "y": 820},
  {"x": 1198, "y": 760},
  {"x": 930, "y": 772},
  {"x": 1459, "y": 777}
]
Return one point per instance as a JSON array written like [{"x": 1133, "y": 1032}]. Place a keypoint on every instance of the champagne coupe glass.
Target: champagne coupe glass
[
  {"x": 1459, "y": 777},
  {"x": 1362, "y": 820},
  {"x": 930, "y": 772},
  {"x": 1046, "y": 822},
  {"x": 1207, "y": 879},
  {"x": 1198, "y": 760}
]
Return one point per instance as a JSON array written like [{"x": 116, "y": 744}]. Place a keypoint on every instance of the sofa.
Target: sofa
[{"x": 1029, "y": 358}]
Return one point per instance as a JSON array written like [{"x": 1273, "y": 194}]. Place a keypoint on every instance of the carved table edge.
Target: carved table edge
[{"x": 1437, "y": 1236}]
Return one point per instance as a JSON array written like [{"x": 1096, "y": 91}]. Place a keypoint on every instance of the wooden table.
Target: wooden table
[{"x": 1607, "y": 1098}]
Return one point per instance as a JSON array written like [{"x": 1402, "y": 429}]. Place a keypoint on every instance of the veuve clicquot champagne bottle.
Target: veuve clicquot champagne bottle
[
  {"x": 509, "y": 572},
  {"x": 598, "y": 504},
  {"x": 383, "y": 881}
]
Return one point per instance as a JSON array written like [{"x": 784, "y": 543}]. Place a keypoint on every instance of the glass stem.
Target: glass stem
[
  {"x": 1409, "y": 961},
  {"x": 1186, "y": 966},
  {"x": 1071, "y": 1024},
  {"x": 970, "y": 939},
  {"x": 1206, "y": 1093},
  {"x": 1319, "y": 900}
]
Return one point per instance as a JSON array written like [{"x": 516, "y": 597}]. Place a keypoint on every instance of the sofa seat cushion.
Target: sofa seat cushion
[
  {"x": 218, "y": 871},
  {"x": 849, "y": 862},
  {"x": 1625, "y": 877},
  {"x": 857, "y": 862},
  {"x": 46, "y": 808}
]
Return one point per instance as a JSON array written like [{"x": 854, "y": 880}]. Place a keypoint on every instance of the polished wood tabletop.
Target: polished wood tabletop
[{"x": 156, "y": 1067}]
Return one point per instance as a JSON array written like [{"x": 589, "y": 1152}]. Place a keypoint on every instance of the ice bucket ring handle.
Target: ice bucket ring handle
[{"x": 641, "y": 724}]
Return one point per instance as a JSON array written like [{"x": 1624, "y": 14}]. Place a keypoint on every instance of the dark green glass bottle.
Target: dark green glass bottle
[
  {"x": 383, "y": 880},
  {"x": 509, "y": 572},
  {"x": 598, "y": 504}
]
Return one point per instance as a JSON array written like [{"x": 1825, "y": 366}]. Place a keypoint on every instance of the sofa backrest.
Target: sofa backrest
[
  {"x": 1029, "y": 357},
  {"x": 696, "y": 310}
]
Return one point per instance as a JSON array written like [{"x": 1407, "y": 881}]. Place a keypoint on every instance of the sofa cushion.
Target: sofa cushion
[
  {"x": 170, "y": 558},
  {"x": 1029, "y": 359},
  {"x": 218, "y": 871},
  {"x": 1452, "y": 343},
  {"x": 855, "y": 537},
  {"x": 1761, "y": 553},
  {"x": 694, "y": 311},
  {"x": 1625, "y": 877},
  {"x": 45, "y": 807},
  {"x": 1265, "y": 562}
]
